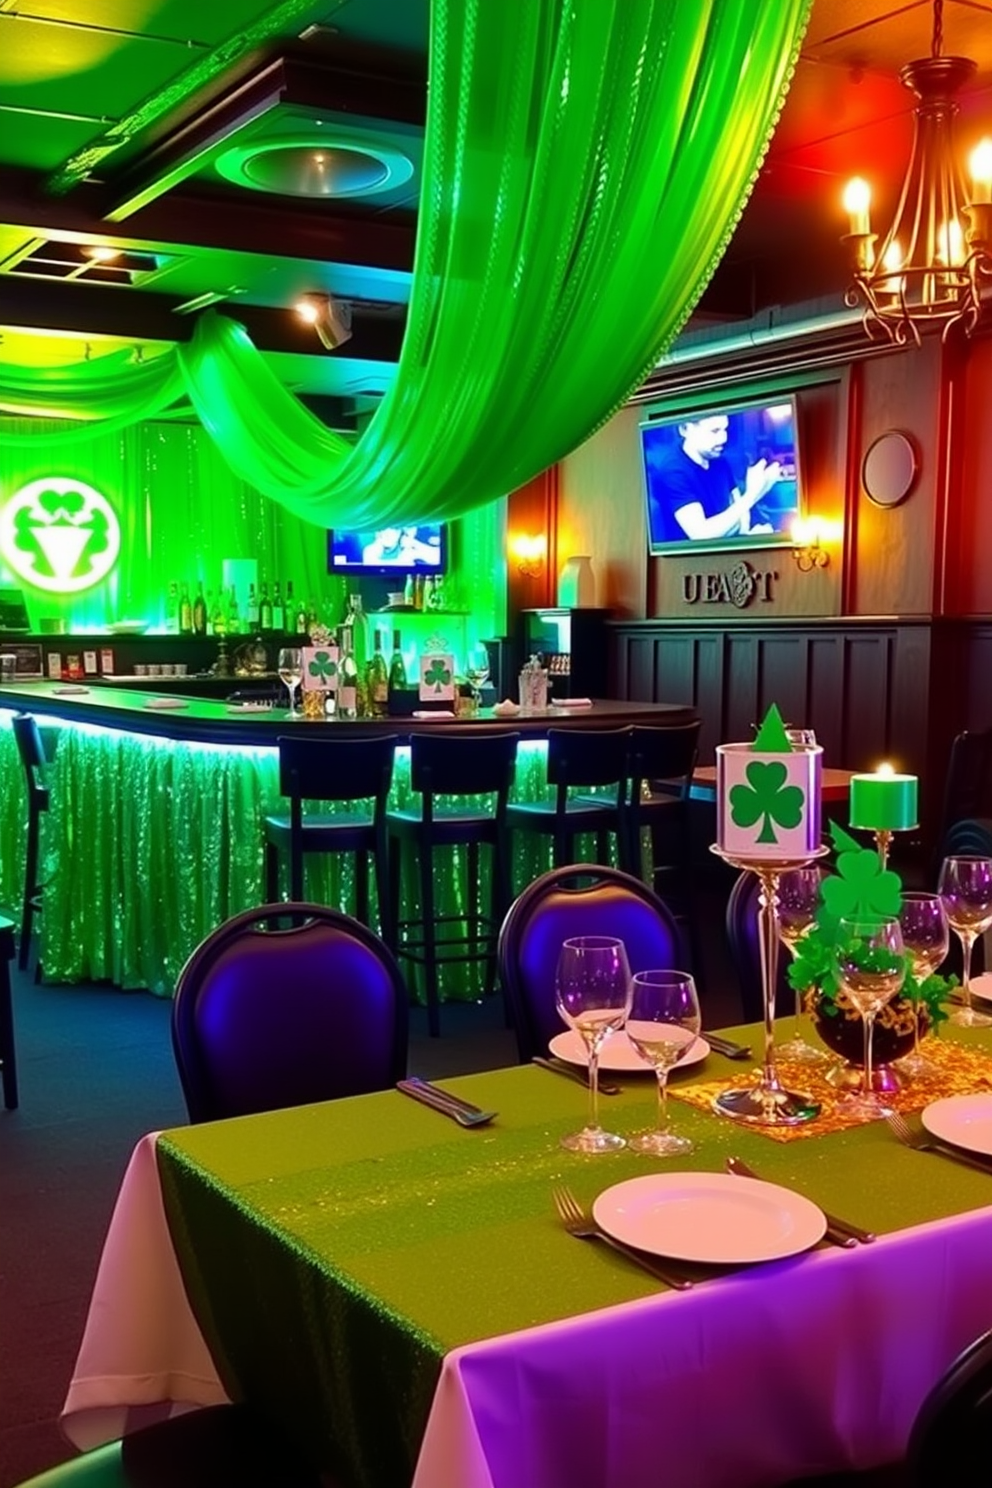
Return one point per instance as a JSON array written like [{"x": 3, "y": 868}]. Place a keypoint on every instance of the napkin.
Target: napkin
[
  {"x": 573, "y": 702},
  {"x": 166, "y": 702},
  {"x": 63, "y": 690},
  {"x": 435, "y": 713}
]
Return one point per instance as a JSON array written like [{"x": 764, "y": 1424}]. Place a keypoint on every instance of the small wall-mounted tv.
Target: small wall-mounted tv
[
  {"x": 722, "y": 475},
  {"x": 422, "y": 549}
]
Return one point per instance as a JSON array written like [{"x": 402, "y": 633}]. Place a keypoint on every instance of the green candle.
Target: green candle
[{"x": 883, "y": 802}]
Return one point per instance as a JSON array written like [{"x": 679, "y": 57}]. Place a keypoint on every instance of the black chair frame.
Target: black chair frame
[
  {"x": 580, "y": 759},
  {"x": 32, "y": 754}
]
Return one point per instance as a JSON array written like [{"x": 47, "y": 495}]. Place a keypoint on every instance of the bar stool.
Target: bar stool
[
  {"x": 8, "y": 1054},
  {"x": 660, "y": 765},
  {"x": 578, "y": 759},
  {"x": 32, "y": 753},
  {"x": 349, "y": 770},
  {"x": 441, "y": 767}
]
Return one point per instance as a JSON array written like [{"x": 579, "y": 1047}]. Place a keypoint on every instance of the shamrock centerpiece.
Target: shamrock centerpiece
[
  {"x": 320, "y": 668},
  {"x": 437, "y": 677},
  {"x": 860, "y": 888},
  {"x": 768, "y": 795}
]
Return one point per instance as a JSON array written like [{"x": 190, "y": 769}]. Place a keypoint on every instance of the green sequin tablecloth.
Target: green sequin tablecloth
[{"x": 334, "y": 1254}]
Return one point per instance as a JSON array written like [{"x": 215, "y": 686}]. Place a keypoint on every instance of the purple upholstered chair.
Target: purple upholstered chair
[
  {"x": 265, "y": 1017},
  {"x": 580, "y": 899}
]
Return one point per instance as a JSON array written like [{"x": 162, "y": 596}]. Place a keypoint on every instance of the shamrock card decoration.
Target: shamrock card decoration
[
  {"x": 437, "y": 677},
  {"x": 320, "y": 668},
  {"x": 768, "y": 795}
]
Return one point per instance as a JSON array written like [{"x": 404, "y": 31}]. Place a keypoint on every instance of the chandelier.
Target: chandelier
[{"x": 928, "y": 271}]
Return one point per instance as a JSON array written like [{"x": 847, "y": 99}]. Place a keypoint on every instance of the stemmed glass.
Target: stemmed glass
[
  {"x": 798, "y": 901},
  {"x": 926, "y": 937},
  {"x": 290, "y": 669},
  {"x": 477, "y": 671},
  {"x": 663, "y": 1024},
  {"x": 592, "y": 994},
  {"x": 871, "y": 964},
  {"x": 965, "y": 887}
]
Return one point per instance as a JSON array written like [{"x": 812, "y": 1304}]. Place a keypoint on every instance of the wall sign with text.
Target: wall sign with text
[
  {"x": 59, "y": 535},
  {"x": 738, "y": 586}
]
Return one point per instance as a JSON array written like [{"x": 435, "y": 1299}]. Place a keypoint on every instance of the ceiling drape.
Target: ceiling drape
[{"x": 585, "y": 164}]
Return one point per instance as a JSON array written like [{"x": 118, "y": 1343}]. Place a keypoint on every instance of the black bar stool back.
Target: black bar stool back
[
  {"x": 580, "y": 759},
  {"x": 346, "y": 770},
  {"x": 661, "y": 765},
  {"x": 444, "y": 769},
  {"x": 32, "y": 753}
]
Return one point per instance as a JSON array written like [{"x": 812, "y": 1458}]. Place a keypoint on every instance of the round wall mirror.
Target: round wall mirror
[{"x": 890, "y": 468}]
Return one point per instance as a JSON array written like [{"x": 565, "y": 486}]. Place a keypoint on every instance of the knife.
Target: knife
[
  {"x": 572, "y": 1072},
  {"x": 727, "y": 1047},
  {"x": 839, "y": 1231}
]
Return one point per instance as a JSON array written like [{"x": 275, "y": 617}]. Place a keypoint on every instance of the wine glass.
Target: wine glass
[
  {"x": 798, "y": 901},
  {"x": 965, "y": 887},
  {"x": 290, "y": 669},
  {"x": 477, "y": 671},
  {"x": 663, "y": 1024},
  {"x": 592, "y": 994},
  {"x": 871, "y": 964},
  {"x": 926, "y": 937}
]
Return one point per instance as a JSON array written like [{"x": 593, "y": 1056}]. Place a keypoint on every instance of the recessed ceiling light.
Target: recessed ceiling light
[{"x": 328, "y": 167}]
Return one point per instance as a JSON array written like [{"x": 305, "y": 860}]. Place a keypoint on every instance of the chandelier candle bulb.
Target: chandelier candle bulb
[{"x": 884, "y": 801}]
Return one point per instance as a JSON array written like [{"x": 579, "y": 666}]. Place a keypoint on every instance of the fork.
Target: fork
[
  {"x": 921, "y": 1141},
  {"x": 583, "y": 1227},
  {"x": 429, "y": 1095}
]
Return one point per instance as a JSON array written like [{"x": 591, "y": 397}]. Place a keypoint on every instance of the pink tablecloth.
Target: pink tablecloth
[{"x": 805, "y": 1365}]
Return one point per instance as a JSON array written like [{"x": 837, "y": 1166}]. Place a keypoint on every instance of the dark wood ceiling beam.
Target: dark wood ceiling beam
[
  {"x": 93, "y": 310},
  {"x": 233, "y": 221}
]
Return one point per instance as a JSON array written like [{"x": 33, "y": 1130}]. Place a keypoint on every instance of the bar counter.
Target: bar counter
[{"x": 155, "y": 832}]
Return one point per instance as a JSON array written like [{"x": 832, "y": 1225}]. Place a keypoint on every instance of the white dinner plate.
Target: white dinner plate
[
  {"x": 981, "y": 986},
  {"x": 166, "y": 703},
  {"x": 618, "y": 1054},
  {"x": 251, "y": 707},
  {"x": 715, "y": 1218},
  {"x": 965, "y": 1120}
]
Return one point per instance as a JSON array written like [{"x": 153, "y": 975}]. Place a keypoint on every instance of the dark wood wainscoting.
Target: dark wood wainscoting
[{"x": 873, "y": 690}]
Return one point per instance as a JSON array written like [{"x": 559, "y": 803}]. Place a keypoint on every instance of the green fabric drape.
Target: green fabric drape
[
  {"x": 585, "y": 164},
  {"x": 109, "y": 393}
]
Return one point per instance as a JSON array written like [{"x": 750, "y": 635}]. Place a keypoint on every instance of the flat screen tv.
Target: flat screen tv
[
  {"x": 722, "y": 475},
  {"x": 422, "y": 549}
]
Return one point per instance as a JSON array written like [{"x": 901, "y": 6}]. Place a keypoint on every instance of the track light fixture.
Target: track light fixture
[{"x": 330, "y": 318}]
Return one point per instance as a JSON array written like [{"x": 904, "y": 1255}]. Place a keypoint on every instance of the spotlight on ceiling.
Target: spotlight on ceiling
[
  {"x": 101, "y": 253},
  {"x": 330, "y": 318}
]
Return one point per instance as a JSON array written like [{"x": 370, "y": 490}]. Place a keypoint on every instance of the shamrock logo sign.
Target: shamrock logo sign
[
  {"x": 59, "y": 535},
  {"x": 437, "y": 674},
  {"x": 766, "y": 798},
  {"x": 322, "y": 670}
]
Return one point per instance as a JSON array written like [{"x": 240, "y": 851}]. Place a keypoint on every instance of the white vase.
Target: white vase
[{"x": 577, "y": 584}]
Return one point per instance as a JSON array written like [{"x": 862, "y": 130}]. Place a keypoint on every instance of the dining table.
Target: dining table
[{"x": 398, "y": 1293}]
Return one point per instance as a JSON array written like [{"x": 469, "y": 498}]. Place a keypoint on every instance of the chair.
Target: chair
[
  {"x": 967, "y": 786},
  {"x": 334, "y": 770},
  {"x": 443, "y": 766},
  {"x": 221, "y": 1446},
  {"x": 578, "y": 899},
  {"x": 745, "y": 951},
  {"x": 265, "y": 1018},
  {"x": 32, "y": 753},
  {"x": 660, "y": 765},
  {"x": 580, "y": 759},
  {"x": 951, "y": 1439},
  {"x": 8, "y": 1052}
]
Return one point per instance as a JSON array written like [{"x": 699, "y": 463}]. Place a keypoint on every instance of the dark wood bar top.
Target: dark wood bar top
[{"x": 200, "y": 720}]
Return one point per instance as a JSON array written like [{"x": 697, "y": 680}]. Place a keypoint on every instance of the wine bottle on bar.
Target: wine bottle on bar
[
  {"x": 199, "y": 611},
  {"x": 278, "y": 609},
  {"x": 397, "y": 666},
  {"x": 185, "y": 612},
  {"x": 233, "y": 613},
  {"x": 301, "y": 624},
  {"x": 252, "y": 614},
  {"x": 172, "y": 609},
  {"x": 377, "y": 680},
  {"x": 348, "y": 677},
  {"x": 265, "y": 609}
]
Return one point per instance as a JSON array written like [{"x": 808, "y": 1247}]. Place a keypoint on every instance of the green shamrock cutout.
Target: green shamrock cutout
[
  {"x": 767, "y": 798},
  {"x": 323, "y": 667},
  {"x": 862, "y": 888},
  {"x": 437, "y": 674}
]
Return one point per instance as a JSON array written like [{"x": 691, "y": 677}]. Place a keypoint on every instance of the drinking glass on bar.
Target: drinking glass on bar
[
  {"x": 965, "y": 887},
  {"x": 290, "y": 669},
  {"x": 592, "y": 994},
  {"x": 663, "y": 1025}
]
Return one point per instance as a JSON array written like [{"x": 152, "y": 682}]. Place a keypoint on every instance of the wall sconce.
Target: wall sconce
[
  {"x": 809, "y": 536},
  {"x": 330, "y": 318},
  {"x": 528, "y": 552}
]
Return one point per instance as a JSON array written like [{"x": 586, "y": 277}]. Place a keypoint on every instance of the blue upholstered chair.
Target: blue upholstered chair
[
  {"x": 265, "y": 1017},
  {"x": 222, "y": 1446},
  {"x": 578, "y": 899}
]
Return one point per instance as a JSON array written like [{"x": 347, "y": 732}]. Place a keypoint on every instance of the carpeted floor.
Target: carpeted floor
[{"x": 96, "y": 1072}]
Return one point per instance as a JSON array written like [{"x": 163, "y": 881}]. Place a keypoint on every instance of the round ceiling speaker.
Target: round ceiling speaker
[{"x": 315, "y": 168}]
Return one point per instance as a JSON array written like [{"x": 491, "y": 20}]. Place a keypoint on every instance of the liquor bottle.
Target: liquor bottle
[
  {"x": 408, "y": 590},
  {"x": 437, "y": 594},
  {"x": 217, "y": 613},
  {"x": 185, "y": 612},
  {"x": 199, "y": 611},
  {"x": 418, "y": 592},
  {"x": 397, "y": 666},
  {"x": 427, "y": 598},
  {"x": 347, "y": 676},
  {"x": 278, "y": 609},
  {"x": 301, "y": 623},
  {"x": 356, "y": 620},
  {"x": 252, "y": 615},
  {"x": 233, "y": 613},
  {"x": 265, "y": 609},
  {"x": 377, "y": 680},
  {"x": 172, "y": 609}
]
